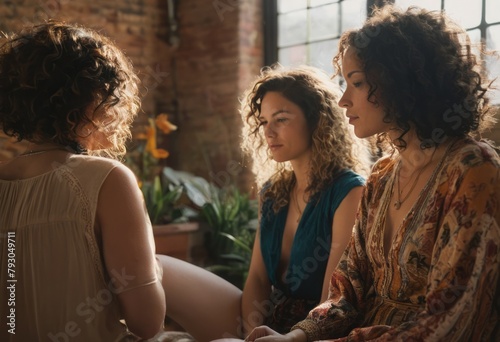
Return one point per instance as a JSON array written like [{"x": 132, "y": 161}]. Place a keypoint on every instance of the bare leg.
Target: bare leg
[{"x": 205, "y": 305}]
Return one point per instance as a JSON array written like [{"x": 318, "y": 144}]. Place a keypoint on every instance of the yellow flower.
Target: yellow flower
[
  {"x": 141, "y": 136},
  {"x": 164, "y": 125},
  {"x": 151, "y": 147},
  {"x": 160, "y": 153}
]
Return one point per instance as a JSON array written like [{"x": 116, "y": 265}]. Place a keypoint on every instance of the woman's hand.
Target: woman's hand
[
  {"x": 266, "y": 334},
  {"x": 260, "y": 332}
]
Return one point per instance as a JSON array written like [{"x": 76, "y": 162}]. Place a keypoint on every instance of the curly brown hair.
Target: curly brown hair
[
  {"x": 421, "y": 69},
  {"x": 58, "y": 77},
  {"x": 334, "y": 146}
]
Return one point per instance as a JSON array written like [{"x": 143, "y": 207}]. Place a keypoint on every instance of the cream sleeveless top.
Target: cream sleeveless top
[{"x": 54, "y": 286}]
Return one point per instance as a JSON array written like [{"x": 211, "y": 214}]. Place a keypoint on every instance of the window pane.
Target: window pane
[
  {"x": 291, "y": 5},
  {"x": 467, "y": 13},
  {"x": 321, "y": 54},
  {"x": 428, "y": 4},
  {"x": 292, "y": 56},
  {"x": 475, "y": 38},
  {"x": 292, "y": 28},
  {"x": 314, "y": 3},
  {"x": 353, "y": 14},
  {"x": 492, "y": 11},
  {"x": 493, "y": 62},
  {"x": 493, "y": 38},
  {"x": 324, "y": 22}
]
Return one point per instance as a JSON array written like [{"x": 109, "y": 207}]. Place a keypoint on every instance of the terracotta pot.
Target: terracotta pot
[{"x": 177, "y": 239}]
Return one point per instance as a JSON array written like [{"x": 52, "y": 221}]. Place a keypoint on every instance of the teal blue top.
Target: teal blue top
[{"x": 311, "y": 245}]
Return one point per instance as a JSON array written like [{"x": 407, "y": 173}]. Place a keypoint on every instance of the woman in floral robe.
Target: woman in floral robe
[{"x": 423, "y": 260}]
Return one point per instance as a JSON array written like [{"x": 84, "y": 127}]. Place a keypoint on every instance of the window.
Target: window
[
  {"x": 307, "y": 31},
  {"x": 481, "y": 19}
]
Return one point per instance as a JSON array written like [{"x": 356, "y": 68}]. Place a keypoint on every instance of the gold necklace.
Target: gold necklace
[
  {"x": 32, "y": 153},
  {"x": 399, "y": 200},
  {"x": 295, "y": 197}
]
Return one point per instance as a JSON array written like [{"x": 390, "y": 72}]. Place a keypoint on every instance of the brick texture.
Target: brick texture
[{"x": 197, "y": 81}]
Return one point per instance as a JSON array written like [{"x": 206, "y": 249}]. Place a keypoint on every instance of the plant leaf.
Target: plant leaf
[{"x": 237, "y": 241}]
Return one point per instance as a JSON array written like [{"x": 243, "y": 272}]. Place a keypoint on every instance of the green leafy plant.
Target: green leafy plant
[
  {"x": 161, "y": 201},
  {"x": 232, "y": 217},
  {"x": 143, "y": 158},
  {"x": 231, "y": 220}
]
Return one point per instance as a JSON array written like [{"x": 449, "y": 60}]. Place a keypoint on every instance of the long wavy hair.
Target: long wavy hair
[
  {"x": 56, "y": 78},
  {"x": 420, "y": 67},
  {"x": 334, "y": 146}
]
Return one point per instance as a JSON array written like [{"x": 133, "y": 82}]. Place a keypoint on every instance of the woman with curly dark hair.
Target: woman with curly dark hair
[
  {"x": 423, "y": 261},
  {"x": 77, "y": 247},
  {"x": 308, "y": 165}
]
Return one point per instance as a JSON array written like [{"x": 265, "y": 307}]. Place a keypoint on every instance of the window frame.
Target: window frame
[{"x": 271, "y": 49}]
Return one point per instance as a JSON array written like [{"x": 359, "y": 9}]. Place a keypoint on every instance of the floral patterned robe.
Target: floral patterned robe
[{"x": 441, "y": 280}]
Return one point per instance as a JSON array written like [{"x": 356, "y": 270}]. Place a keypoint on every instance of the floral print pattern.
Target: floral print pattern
[{"x": 441, "y": 278}]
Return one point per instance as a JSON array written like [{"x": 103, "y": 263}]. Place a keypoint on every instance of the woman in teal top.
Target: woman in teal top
[
  {"x": 309, "y": 160},
  {"x": 303, "y": 284}
]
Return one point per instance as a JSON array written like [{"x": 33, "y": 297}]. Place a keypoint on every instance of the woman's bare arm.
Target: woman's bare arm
[
  {"x": 129, "y": 253},
  {"x": 343, "y": 222}
]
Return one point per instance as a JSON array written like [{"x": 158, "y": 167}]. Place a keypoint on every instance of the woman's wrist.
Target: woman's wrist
[{"x": 297, "y": 335}]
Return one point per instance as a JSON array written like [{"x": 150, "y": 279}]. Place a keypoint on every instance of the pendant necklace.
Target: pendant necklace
[
  {"x": 399, "y": 201},
  {"x": 295, "y": 197}
]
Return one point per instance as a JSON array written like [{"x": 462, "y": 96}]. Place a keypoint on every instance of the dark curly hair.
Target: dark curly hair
[
  {"x": 57, "y": 77},
  {"x": 420, "y": 68},
  {"x": 334, "y": 146}
]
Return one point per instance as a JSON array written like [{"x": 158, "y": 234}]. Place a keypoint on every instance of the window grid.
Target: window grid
[
  {"x": 308, "y": 9},
  {"x": 319, "y": 52},
  {"x": 310, "y": 47}
]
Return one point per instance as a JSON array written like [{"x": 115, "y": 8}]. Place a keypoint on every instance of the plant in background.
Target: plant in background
[
  {"x": 150, "y": 154},
  {"x": 162, "y": 201},
  {"x": 227, "y": 212},
  {"x": 173, "y": 196},
  {"x": 231, "y": 217},
  {"x": 144, "y": 160}
]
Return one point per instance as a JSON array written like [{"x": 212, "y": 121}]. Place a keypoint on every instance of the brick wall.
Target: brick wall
[
  {"x": 196, "y": 82},
  {"x": 220, "y": 50}
]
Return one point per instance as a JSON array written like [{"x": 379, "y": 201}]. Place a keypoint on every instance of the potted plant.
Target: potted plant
[
  {"x": 165, "y": 201},
  {"x": 232, "y": 218}
]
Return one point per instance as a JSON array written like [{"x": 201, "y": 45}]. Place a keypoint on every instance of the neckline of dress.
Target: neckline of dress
[{"x": 414, "y": 208}]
